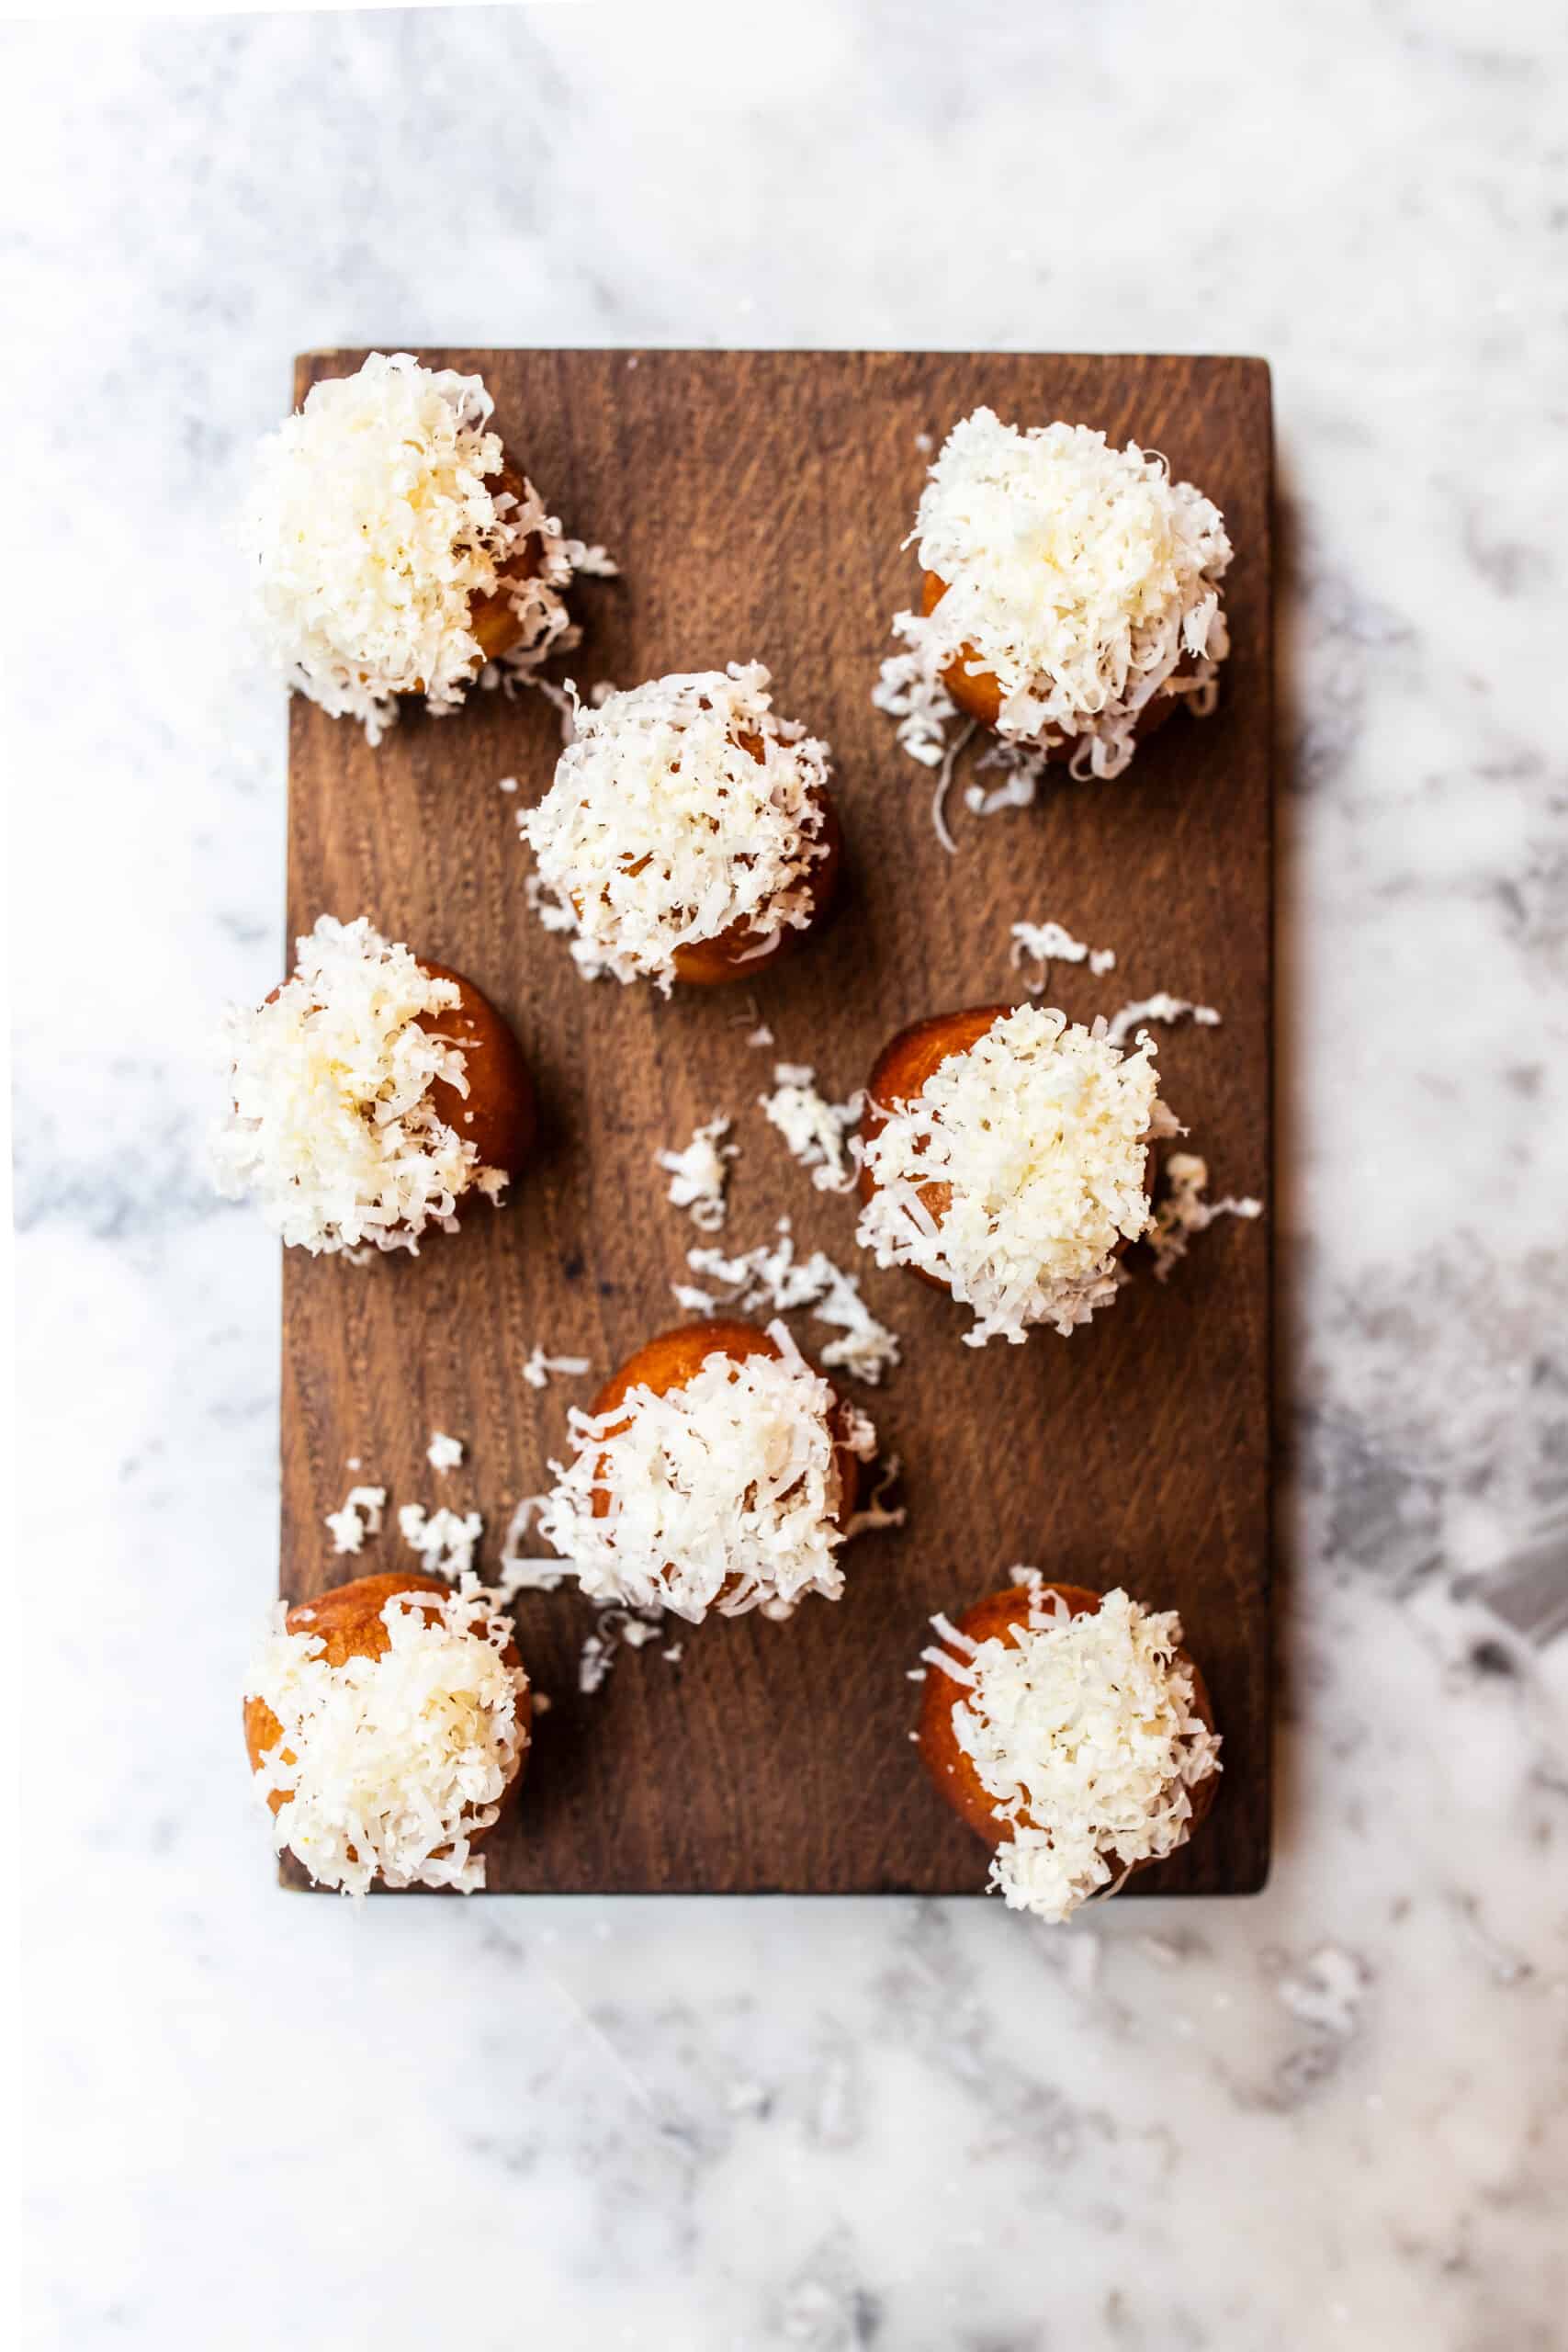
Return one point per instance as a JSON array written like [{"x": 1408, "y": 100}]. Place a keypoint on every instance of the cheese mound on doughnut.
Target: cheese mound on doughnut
[
  {"x": 396, "y": 1760},
  {"x": 679, "y": 809},
  {"x": 1078, "y": 575},
  {"x": 723, "y": 1494},
  {"x": 373, "y": 522},
  {"x": 1040, "y": 1131},
  {"x": 1083, "y": 1732},
  {"x": 329, "y": 1126}
]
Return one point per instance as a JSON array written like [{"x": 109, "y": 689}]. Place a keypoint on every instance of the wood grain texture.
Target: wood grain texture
[{"x": 757, "y": 502}]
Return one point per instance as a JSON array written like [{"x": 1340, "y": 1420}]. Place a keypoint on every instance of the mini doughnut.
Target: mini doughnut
[
  {"x": 396, "y": 547},
  {"x": 342, "y": 1753},
  {"x": 718, "y": 1471},
  {"x": 1040, "y": 1130},
  {"x": 372, "y": 1095},
  {"x": 688, "y": 834},
  {"x": 1069, "y": 596},
  {"x": 1072, "y": 1722}
]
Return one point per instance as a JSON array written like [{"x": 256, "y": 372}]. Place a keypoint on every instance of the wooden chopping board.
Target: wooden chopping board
[{"x": 756, "y": 502}]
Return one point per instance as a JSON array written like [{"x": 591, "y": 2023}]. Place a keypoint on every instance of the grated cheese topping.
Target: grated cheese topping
[
  {"x": 1048, "y": 943},
  {"x": 661, "y": 829},
  {"x": 444, "y": 1540},
  {"x": 398, "y": 1762},
  {"x": 1161, "y": 1006},
  {"x": 772, "y": 1275},
  {"x": 1078, "y": 575},
  {"x": 1184, "y": 1210},
  {"x": 814, "y": 1129},
  {"x": 1084, "y": 1733},
  {"x": 360, "y": 1516},
  {"x": 698, "y": 1174},
  {"x": 539, "y": 1369},
  {"x": 443, "y": 1453},
  {"x": 1039, "y": 1132},
  {"x": 329, "y": 1126},
  {"x": 723, "y": 1494},
  {"x": 374, "y": 521}
]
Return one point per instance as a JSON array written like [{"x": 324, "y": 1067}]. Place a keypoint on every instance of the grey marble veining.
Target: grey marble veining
[{"x": 1331, "y": 2116}]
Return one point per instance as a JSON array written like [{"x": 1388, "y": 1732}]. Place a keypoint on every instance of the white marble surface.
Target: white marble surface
[{"x": 1330, "y": 2117}]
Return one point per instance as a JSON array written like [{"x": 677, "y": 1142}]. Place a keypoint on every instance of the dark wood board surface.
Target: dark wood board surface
[{"x": 757, "y": 502}]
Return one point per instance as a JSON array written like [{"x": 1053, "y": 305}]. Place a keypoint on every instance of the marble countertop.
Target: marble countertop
[{"x": 1331, "y": 2116}]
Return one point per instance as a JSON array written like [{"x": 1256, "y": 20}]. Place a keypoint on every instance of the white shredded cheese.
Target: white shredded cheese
[
  {"x": 770, "y": 1275},
  {"x": 1084, "y": 1733},
  {"x": 876, "y": 1516},
  {"x": 392, "y": 1765},
  {"x": 1079, "y": 576},
  {"x": 1160, "y": 1007},
  {"x": 444, "y": 1540},
  {"x": 329, "y": 1126},
  {"x": 1184, "y": 1212},
  {"x": 375, "y": 522},
  {"x": 814, "y": 1129},
  {"x": 539, "y": 1369},
  {"x": 521, "y": 1571},
  {"x": 1039, "y": 1132},
  {"x": 360, "y": 1517},
  {"x": 614, "y": 1628},
  {"x": 699, "y": 1174},
  {"x": 443, "y": 1453},
  {"x": 1049, "y": 942},
  {"x": 680, "y": 810},
  {"x": 723, "y": 1494}
]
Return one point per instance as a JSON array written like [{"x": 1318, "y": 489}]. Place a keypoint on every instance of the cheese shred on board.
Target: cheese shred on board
[
  {"x": 699, "y": 1174},
  {"x": 1080, "y": 577},
  {"x": 378, "y": 516},
  {"x": 329, "y": 1126},
  {"x": 391, "y": 1765},
  {"x": 814, "y": 1129},
  {"x": 1084, "y": 1733},
  {"x": 1038, "y": 1138},
  {"x": 722, "y": 1494},
  {"x": 681, "y": 810}
]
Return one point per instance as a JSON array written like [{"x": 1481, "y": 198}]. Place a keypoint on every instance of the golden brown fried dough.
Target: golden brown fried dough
[
  {"x": 349, "y": 1622},
  {"x": 954, "y": 1773}
]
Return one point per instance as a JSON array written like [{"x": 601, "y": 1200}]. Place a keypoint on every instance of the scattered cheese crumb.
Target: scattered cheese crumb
[
  {"x": 392, "y": 1765},
  {"x": 1038, "y": 1133},
  {"x": 760, "y": 1037},
  {"x": 444, "y": 1540},
  {"x": 616, "y": 1626},
  {"x": 699, "y": 1174},
  {"x": 771, "y": 1276},
  {"x": 443, "y": 1453},
  {"x": 507, "y": 783},
  {"x": 1046, "y": 943},
  {"x": 1160, "y": 1007},
  {"x": 681, "y": 810},
  {"x": 539, "y": 1368},
  {"x": 1184, "y": 1212},
  {"x": 520, "y": 1571},
  {"x": 330, "y": 1125},
  {"x": 1084, "y": 1733},
  {"x": 875, "y": 1517},
  {"x": 814, "y": 1130},
  {"x": 377, "y": 520},
  {"x": 1080, "y": 577},
  {"x": 723, "y": 1494},
  {"x": 360, "y": 1517}
]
